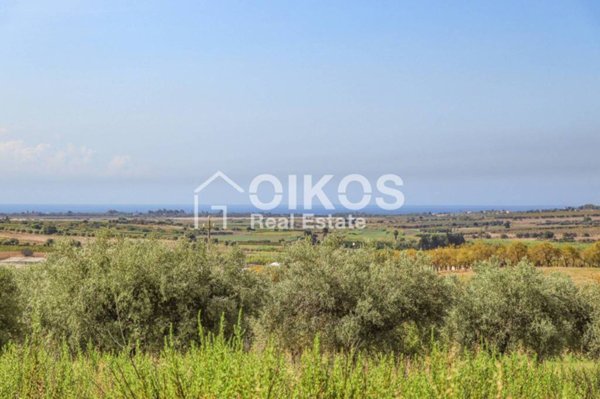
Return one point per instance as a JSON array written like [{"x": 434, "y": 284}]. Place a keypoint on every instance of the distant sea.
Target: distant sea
[{"x": 144, "y": 208}]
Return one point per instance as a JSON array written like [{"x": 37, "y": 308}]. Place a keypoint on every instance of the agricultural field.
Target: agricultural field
[
  {"x": 579, "y": 275},
  {"x": 577, "y": 228}
]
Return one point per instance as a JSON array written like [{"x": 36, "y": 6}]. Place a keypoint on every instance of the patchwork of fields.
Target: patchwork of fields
[{"x": 576, "y": 228}]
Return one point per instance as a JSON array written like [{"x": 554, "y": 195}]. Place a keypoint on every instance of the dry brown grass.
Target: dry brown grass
[{"x": 579, "y": 275}]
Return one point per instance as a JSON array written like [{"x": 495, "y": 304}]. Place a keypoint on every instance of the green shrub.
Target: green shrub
[
  {"x": 355, "y": 298},
  {"x": 117, "y": 293},
  {"x": 509, "y": 308},
  {"x": 591, "y": 339},
  {"x": 10, "y": 309},
  {"x": 27, "y": 252},
  {"x": 49, "y": 229}
]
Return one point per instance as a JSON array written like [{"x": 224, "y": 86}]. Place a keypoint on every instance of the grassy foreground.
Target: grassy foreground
[{"x": 220, "y": 368}]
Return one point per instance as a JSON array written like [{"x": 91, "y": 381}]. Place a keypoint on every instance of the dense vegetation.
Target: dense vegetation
[
  {"x": 10, "y": 308},
  {"x": 97, "y": 318}
]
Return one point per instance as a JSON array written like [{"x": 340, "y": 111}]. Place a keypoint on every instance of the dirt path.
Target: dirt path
[
  {"x": 21, "y": 261},
  {"x": 17, "y": 254},
  {"x": 36, "y": 238}
]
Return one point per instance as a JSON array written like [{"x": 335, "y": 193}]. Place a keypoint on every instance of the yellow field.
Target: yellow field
[{"x": 579, "y": 275}]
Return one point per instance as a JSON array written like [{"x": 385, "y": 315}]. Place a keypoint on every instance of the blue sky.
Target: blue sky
[{"x": 139, "y": 101}]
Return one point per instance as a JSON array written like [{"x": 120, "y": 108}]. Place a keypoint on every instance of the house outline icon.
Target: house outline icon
[{"x": 204, "y": 185}]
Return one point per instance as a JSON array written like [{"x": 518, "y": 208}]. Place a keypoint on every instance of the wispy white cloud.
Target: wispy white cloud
[
  {"x": 20, "y": 159},
  {"x": 3, "y": 130},
  {"x": 17, "y": 153}
]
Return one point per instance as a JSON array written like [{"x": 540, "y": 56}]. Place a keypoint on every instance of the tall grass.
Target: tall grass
[{"x": 223, "y": 368}]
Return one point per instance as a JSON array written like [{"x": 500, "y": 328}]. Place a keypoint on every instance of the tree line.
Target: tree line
[{"x": 538, "y": 254}]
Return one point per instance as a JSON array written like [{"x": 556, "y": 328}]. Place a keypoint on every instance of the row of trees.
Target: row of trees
[
  {"x": 539, "y": 254},
  {"x": 115, "y": 294},
  {"x": 439, "y": 240}
]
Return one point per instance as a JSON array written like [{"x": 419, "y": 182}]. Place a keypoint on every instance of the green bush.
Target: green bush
[
  {"x": 10, "y": 309},
  {"x": 508, "y": 308},
  {"x": 116, "y": 293},
  {"x": 591, "y": 339},
  {"x": 355, "y": 299},
  {"x": 27, "y": 252}
]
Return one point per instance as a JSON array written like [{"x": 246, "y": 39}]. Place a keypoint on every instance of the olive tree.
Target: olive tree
[
  {"x": 506, "y": 308},
  {"x": 359, "y": 298},
  {"x": 10, "y": 309},
  {"x": 591, "y": 339},
  {"x": 118, "y": 293}
]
